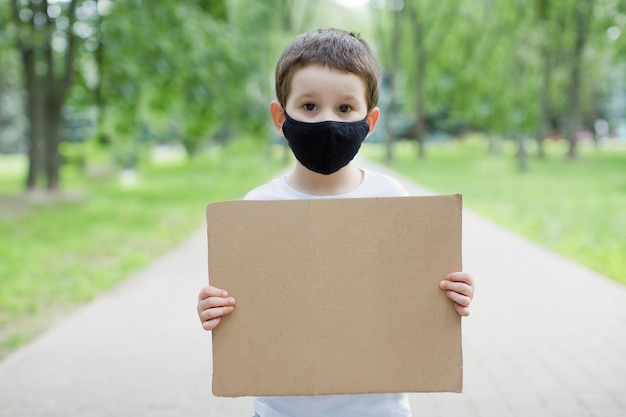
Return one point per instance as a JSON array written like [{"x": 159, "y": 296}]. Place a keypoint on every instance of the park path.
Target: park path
[{"x": 546, "y": 337}]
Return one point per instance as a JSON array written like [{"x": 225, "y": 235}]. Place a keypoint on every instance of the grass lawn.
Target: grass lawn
[
  {"x": 576, "y": 208},
  {"x": 60, "y": 252}
]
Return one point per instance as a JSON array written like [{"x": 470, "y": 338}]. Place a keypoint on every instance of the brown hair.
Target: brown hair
[{"x": 332, "y": 48}]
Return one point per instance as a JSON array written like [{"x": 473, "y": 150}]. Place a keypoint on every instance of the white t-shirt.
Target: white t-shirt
[
  {"x": 373, "y": 185},
  {"x": 358, "y": 405}
]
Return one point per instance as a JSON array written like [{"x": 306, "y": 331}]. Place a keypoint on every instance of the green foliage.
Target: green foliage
[
  {"x": 65, "y": 250},
  {"x": 197, "y": 68},
  {"x": 200, "y": 71},
  {"x": 484, "y": 60},
  {"x": 574, "y": 208},
  {"x": 216, "y": 8}
]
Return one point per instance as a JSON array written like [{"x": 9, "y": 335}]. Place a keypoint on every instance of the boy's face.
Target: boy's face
[{"x": 319, "y": 93}]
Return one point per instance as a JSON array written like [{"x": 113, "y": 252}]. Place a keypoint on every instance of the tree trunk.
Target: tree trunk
[
  {"x": 543, "y": 8},
  {"x": 420, "y": 75},
  {"x": 573, "y": 109},
  {"x": 544, "y": 102},
  {"x": 39, "y": 145},
  {"x": 420, "y": 117},
  {"x": 45, "y": 90},
  {"x": 34, "y": 111},
  {"x": 52, "y": 120},
  {"x": 99, "y": 101},
  {"x": 522, "y": 154},
  {"x": 391, "y": 86},
  {"x": 582, "y": 18},
  {"x": 53, "y": 157}
]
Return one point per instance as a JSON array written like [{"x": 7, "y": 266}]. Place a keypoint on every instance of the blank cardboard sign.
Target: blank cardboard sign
[{"x": 336, "y": 296}]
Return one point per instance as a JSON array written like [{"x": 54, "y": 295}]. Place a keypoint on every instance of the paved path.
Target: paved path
[{"x": 546, "y": 338}]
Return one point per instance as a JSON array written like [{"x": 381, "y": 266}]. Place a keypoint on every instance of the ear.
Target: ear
[
  {"x": 372, "y": 119},
  {"x": 278, "y": 116}
]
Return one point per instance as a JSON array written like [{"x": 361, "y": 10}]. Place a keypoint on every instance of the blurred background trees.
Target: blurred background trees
[
  {"x": 127, "y": 74},
  {"x": 131, "y": 72},
  {"x": 535, "y": 68}
]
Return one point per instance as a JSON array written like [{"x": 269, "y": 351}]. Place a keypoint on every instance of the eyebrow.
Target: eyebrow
[
  {"x": 315, "y": 95},
  {"x": 350, "y": 97}
]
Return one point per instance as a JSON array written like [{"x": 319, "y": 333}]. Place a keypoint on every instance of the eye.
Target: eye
[
  {"x": 309, "y": 106},
  {"x": 344, "y": 108}
]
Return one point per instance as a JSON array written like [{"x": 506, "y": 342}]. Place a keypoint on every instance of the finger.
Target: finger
[
  {"x": 461, "y": 277},
  {"x": 210, "y": 291},
  {"x": 462, "y": 310},
  {"x": 211, "y": 324},
  {"x": 212, "y": 313},
  {"x": 458, "y": 287},
  {"x": 213, "y": 302},
  {"x": 461, "y": 282},
  {"x": 460, "y": 299}
]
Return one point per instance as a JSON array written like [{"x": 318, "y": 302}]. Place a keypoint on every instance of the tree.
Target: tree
[
  {"x": 389, "y": 57},
  {"x": 543, "y": 9},
  {"x": 199, "y": 73},
  {"x": 582, "y": 13},
  {"x": 47, "y": 43},
  {"x": 200, "y": 70},
  {"x": 417, "y": 21},
  {"x": 417, "y": 30},
  {"x": 190, "y": 71},
  {"x": 506, "y": 68}
]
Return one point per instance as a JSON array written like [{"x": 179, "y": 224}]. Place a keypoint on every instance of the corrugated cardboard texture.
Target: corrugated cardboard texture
[{"x": 336, "y": 296}]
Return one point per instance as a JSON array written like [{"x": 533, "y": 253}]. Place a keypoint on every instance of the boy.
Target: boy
[{"x": 327, "y": 90}]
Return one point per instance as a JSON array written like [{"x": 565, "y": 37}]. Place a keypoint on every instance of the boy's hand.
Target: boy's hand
[
  {"x": 459, "y": 288},
  {"x": 213, "y": 303}
]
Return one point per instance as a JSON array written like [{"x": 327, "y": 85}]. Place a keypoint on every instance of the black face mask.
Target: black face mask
[{"x": 325, "y": 147}]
